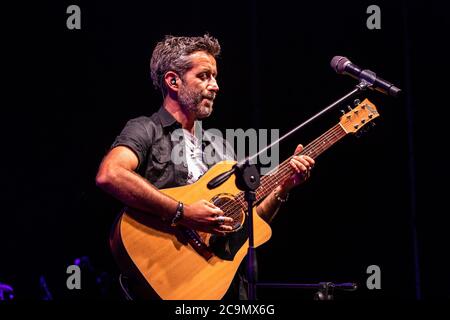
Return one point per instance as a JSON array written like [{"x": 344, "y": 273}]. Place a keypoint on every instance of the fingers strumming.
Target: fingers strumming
[
  {"x": 228, "y": 219},
  {"x": 227, "y": 228},
  {"x": 209, "y": 204}
]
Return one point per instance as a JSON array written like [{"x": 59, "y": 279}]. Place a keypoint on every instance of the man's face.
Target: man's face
[{"x": 199, "y": 86}]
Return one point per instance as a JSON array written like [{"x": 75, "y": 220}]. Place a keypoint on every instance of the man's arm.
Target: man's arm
[
  {"x": 116, "y": 176},
  {"x": 269, "y": 207},
  {"x": 301, "y": 165}
]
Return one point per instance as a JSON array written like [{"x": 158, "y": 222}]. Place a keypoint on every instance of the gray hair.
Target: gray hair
[{"x": 172, "y": 54}]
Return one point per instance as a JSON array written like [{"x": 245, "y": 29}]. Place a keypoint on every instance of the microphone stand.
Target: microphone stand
[
  {"x": 248, "y": 180},
  {"x": 325, "y": 290}
]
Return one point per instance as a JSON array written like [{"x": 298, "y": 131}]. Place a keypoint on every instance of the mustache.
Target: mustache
[{"x": 210, "y": 96}]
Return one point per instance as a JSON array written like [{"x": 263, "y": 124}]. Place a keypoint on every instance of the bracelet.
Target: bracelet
[
  {"x": 178, "y": 214},
  {"x": 281, "y": 199}
]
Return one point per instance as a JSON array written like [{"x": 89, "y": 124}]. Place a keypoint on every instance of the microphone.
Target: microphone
[{"x": 344, "y": 66}]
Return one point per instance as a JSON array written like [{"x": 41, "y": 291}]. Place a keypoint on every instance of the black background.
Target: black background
[{"x": 377, "y": 200}]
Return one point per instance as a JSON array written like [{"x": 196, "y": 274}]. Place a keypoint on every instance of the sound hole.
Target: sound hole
[{"x": 230, "y": 208}]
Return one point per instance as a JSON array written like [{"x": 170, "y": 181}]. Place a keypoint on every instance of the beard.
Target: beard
[{"x": 197, "y": 102}]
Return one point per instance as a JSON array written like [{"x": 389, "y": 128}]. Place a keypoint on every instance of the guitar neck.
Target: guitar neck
[{"x": 270, "y": 181}]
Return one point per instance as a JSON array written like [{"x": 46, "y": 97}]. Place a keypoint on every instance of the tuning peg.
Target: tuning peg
[
  {"x": 356, "y": 102},
  {"x": 349, "y": 108},
  {"x": 343, "y": 112}
]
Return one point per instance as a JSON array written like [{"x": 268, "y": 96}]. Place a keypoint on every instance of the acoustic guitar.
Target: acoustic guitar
[{"x": 180, "y": 263}]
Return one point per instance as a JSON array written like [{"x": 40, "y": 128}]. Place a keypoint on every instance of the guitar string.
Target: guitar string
[{"x": 284, "y": 170}]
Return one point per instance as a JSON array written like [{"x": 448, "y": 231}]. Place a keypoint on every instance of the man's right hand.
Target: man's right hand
[{"x": 205, "y": 216}]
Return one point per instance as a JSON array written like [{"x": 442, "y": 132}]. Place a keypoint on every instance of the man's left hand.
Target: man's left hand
[{"x": 302, "y": 166}]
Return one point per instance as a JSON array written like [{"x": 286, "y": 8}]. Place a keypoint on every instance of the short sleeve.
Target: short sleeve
[{"x": 137, "y": 135}]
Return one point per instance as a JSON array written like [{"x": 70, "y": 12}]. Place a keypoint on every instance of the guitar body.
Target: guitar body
[
  {"x": 168, "y": 261},
  {"x": 179, "y": 263}
]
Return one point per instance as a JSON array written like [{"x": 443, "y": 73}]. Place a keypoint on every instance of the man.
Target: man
[{"x": 142, "y": 160}]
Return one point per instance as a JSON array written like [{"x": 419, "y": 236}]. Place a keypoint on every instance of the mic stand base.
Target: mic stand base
[{"x": 325, "y": 290}]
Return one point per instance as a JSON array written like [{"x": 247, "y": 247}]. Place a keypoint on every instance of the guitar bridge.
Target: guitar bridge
[{"x": 196, "y": 242}]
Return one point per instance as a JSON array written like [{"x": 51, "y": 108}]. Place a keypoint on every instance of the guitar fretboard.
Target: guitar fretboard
[{"x": 271, "y": 180}]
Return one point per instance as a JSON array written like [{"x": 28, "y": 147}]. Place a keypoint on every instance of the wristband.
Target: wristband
[{"x": 178, "y": 214}]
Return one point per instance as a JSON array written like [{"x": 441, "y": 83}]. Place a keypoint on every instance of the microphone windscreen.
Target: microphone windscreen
[{"x": 338, "y": 63}]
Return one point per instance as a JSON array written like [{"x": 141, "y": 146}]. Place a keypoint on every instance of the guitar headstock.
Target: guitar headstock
[{"x": 359, "y": 116}]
